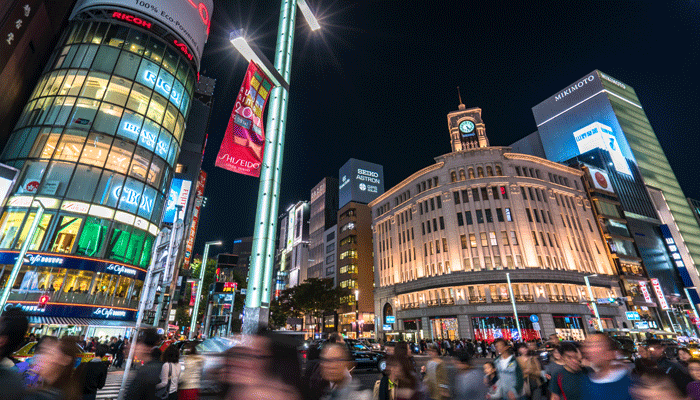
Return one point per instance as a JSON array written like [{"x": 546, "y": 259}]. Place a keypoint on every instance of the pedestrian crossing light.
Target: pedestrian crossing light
[{"x": 43, "y": 301}]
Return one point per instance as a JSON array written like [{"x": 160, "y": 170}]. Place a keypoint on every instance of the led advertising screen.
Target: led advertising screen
[
  {"x": 360, "y": 181},
  {"x": 580, "y": 118},
  {"x": 8, "y": 175},
  {"x": 179, "y": 194}
]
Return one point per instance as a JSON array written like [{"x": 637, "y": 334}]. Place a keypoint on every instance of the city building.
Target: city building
[
  {"x": 450, "y": 238},
  {"x": 96, "y": 144},
  {"x": 28, "y": 33},
  {"x": 599, "y": 121},
  {"x": 360, "y": 183},
  {"x": 324, "y": 214},
  {"x": 695, "y": 206},
  {"x": 330, "y": 244},
  {"x": 292, "y": 257}
]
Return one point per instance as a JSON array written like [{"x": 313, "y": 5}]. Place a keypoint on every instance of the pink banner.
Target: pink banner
[{"x": 244, "y": 140}]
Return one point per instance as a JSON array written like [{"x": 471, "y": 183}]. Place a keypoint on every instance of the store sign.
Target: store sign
[
  {"x": 600, "y": 136},
  {"x": 179, "y": 194},
  {"x": 193, "y": 293},
  {"x": 164, "y": 86},
  {"x": 675, "y": 255},
  {"x": 132, "y": 197},
  {"x": 659, "y": 293},
  {"x": 230, "y": 287},
  {"x": 386, "y": 328},
  {"x": 641, "y": 325},
  {"x": 75, "y": 206},
  {"x": 600, "y": 179},
  {"x": 109, "y": 313},
  {"x": 244, "y": 140},
  {"x": 72, "y": 262},
  {"x": 189, "y": 19},
  {"x": 632, "y": 316},
  {"x": 390, "y": 319},
  {"x": 195, "y": 218},
  {"x": 645, "y": 292},
  {"x": 75, "y": 310}
]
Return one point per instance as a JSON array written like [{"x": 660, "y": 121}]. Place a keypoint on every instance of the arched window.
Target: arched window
[
  {"x": 489, "y": 170},
  {"x": 453, "y": 176},
  {"x": 462, "y": 176},
  {"x": 499, "y": 172},
  {"x": 471, "y": 173},
  {"x": 480, "y": 172}
]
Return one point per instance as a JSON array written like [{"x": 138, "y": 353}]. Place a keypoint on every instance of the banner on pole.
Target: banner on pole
[
  {"x": 244, "y": 141},
  {"x": 195, "y": 218}
]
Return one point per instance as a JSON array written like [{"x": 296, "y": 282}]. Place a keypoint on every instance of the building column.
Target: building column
[
  {"x": 425, "y": 328},
  {"x": 464, "y": 324},
  {"x": 546, "y": 325}
]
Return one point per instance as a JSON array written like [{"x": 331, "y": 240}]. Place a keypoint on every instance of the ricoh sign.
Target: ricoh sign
[{"x": 360, "y": 181}]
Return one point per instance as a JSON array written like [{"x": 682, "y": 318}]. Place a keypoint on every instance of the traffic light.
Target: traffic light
[{"x": 43, "y": 301}]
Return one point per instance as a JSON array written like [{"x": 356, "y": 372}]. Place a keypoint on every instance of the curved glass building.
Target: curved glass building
[{"x": 96, "y": 144}]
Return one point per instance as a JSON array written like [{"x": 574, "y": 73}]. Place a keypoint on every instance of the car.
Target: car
[
  {"x": 694, "y": 350},
  {"x": 372, "y": 344},
  {"x": 213, "y": 352},
  {"x": 28, "y": 351},
  {"x": 365, "y": 357}
]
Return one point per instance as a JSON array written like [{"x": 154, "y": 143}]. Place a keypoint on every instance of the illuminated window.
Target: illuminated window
[
  {"x": 480, "y": 172},
  {"x": 462, "y": 175},
  {"x": 471, "y": 173},
  {"x": 484, "y": 240},
  {"x": 66, "y": 233},
  {"x": 489, "y": 170}
]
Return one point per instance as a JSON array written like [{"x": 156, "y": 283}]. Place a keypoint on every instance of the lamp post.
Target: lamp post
[
  {"x": 258, "y": 293},
  {"x": 203, "y": 268},
  {"x": 515, "y": 310},
  {"x": 20, "y": 256},
  {"x": 357, "y": 312},
  {"x": 592, "y": 300}
]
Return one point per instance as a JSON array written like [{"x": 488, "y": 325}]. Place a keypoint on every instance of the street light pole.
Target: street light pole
[
  {"x": 203, "y": 268},
  {"x": 595, "y": 305},
  {"x": 515, "y": 310},
  {"x": 256, "y": 312},
  {"x": 357, "y": 312},
  {"x": 20, "y": 256}
]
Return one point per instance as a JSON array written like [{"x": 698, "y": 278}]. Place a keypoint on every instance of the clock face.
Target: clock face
[{"x": 466, "y": 126}]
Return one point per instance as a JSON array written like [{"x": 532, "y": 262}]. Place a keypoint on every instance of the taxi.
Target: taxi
[{"x": 27, "y": 351}]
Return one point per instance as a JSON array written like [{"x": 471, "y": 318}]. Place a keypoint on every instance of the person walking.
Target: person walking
[
  {"x": 436, "y": 376},
  {"x": 469, "y": 382},
  {"x": 13, "y": 326},
  {"x": 401, "y": 381},
  {"x": 570, "y": 382},
  {"x": 335, "y": 369},
  {"x": 93, "y": 374},
  {"x": 143, "y": 386},
  {"x": 510, "y": 376},
  {"x": 170, "y": 373},
  {"x": 59, "y": 382},
  {"x": 532, "y": 373},
  {"x": 608, "y": 380},
  {"x": 190, "y": 380}
]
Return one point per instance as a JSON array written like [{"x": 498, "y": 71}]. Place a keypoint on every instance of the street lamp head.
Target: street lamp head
[
  {"x": 357, "y": 295},
  {"x": 308, "y": 15},
  {"x": 215, "y": 243},
  {"x": 591, "y": 275}
]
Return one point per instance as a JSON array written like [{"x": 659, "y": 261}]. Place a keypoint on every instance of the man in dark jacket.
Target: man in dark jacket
[
  {"x": 143, "y": 386},
  {"x": 93, "y": 373},
  {"x": 13, "y": 326},
  {"x": 657, "y": 353}
]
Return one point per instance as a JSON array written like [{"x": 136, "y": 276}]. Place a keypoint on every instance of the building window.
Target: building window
[
  {"x": 489, "y": 170},
  {"x": 437, "y": 247},
  {"x": 472, "y": 240},
  {"x": 492, "y": 238},
  {"x": 544, "y": 218},
  {"x": 529, "y": 214},
  {"x": 471, "y": 173},
  {"x": 489, "y": 217},
  {"x": 350, "y": 239},
  {"x": 499, "y": 214},
  {"x": 509, "y": 217},
  {"x": 462, "y": 175},
  {"x": 468, "y": 216},
  {"x": 484, "y": 194},
  {"x": 484, "y": 239},
  {"x": 534, "y": 238},
  {"x": 463, "y": 239},
  {"x": 432, "y": 204},
  {"x": 504, "y": 237},
  {"x": 453, "y": 176},
  {"x": 465, "y": 196},
  {"x": 435, "y": 227},
  {"x": 513, "y": 238},
  {"x": 439, "y": 201},
  {"x": 499, "y": 172},
  {"x": 92, "y": 237},
  {"x": 524, "y": 192},
  {"x": 479, "y": 217},
  {"x": 494, "y": 193},
  {"x": 537, "y": 215},
  {"x": 480, "y": 172},
  {"x": 442, "y": 223},
  {"x": 517, "y": 171},
  {"x": 456, "y": 197},
  {"x": 444, "y": 245},
  {"x": 475, "y": 194}
]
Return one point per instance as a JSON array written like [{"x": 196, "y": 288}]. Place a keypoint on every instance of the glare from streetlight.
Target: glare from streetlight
[
  {"x": 215, "y": 243},
  {"x": 308, "y": 15},
  {"x": 239, "y": 41}
]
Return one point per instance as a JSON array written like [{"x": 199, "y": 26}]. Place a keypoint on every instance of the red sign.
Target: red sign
[
  {"x": 203, "y": 13},
  {"x": 645, "y": 292},
  {"x": 195, "y": 217},
  {"x": 230, "y": 286},
  {"x": 244, "y": 140},
  {"x": 132, "y": 19},
  {"x": 193, "y": 294},
  {"x": 184, "y": 49},
  {"x": 659, "y": 293}
]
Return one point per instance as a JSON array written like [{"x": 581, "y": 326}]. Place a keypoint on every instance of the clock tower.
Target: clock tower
[{"x": 467, "y": 130}]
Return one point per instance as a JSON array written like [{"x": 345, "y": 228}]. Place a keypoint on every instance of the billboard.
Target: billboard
[
  {"x": 580, "y": 118},
  {"x": 199, "y": 195},
  {"x": 244, "y": 140},
  {"x": 600, "y": 179},
  {"x": 190, "y": 20},
  {"x": 179, "y": 194},
  {"x": 360, "y": 181}
]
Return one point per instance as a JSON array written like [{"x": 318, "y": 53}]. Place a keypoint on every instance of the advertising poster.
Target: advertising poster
[
  {"x": 179, "y": 193},
  {"x": 195, "y": 218},
  {"x": 360, "y": 181},
  {"x": 600, "y": 179},
  {"x": 244, "y": 141}
]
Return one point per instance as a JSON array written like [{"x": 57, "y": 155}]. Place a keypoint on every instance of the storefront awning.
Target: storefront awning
[{"x": 78, "y": 321}]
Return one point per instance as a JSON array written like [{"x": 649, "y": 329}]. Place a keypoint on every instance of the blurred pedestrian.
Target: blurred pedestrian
[
  {"x": 190, "y": 380},
  {"x": 143, "y": 386},
  {"x": 568, "y": 384},
  {"x": 655, "y": 384},
  {"x": 510, "y": 375},
  {"x": 469, "y": 382},
  {"x": 683, "y": 357},
  {"x": 335, "y": 368},
  {"x": 312, "y": 381},
  {"x": 93, "y": 374},
  {"x": 13, "y": 326},
  {"x": 59, "y": 382},
  {"x": 400, "y": 381},
  {"x": 119, "y": 355},
  {"x": 29, "y": 369},
  {"x": 490, "y": 379},
  {"x": 657, "y": 354},
  {"x": 436, "y": 375},
  {"x": 608, "y": 379},
  {"x": 532, "y": 373},
  {"x": 693, "y": 388},
  {"x": 169, "y": 373}
]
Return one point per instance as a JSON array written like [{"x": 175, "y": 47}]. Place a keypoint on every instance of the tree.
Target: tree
[
  {"x": 316, "y": 296},
  {"x": 282, "y": 308},
  {"x": 182, "y": 314}
]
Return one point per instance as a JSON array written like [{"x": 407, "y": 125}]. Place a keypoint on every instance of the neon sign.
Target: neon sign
[
  {"x": 183, "y": 48},
  {"x": 163, "y": 86},
  {"x": 203, "y": 13},
  {"x": 131, "y": 19}
]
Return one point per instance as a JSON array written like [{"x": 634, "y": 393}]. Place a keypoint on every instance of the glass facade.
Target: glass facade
[{"x": 97, "y": 143}]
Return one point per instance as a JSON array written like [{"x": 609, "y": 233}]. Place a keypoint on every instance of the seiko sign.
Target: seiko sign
[
  {"x": 360, "y": 181},
  {"x": 109, "y": 312},
  {"x": 120, "y": 269}
]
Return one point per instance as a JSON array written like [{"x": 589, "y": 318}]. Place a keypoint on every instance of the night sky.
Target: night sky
[{"x": 376, "y": 82}]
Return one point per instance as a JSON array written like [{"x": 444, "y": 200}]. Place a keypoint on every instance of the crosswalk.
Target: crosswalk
[{"x": 111, "y": 389}]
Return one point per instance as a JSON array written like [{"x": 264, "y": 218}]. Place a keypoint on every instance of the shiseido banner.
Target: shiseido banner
[{"x": 244, "y": 141}]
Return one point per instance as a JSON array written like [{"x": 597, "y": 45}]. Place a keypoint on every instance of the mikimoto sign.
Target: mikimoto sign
[{"x": 189, "y": 20}]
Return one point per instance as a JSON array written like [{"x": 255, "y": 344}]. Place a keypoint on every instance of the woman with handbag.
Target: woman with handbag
[{"x": 169, "y": 374}]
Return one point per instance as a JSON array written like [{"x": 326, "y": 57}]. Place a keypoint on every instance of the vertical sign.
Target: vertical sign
[
  {"x": 659, "y": 293},
  {"x": 244, "y": 140},
  {"x": 193, "y": 294},
  {"x": 645, "y": 292},
  {"x": 195, "y": 217}
]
